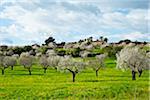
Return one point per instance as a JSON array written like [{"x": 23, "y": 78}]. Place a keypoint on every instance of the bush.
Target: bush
[
  {"x": 18, "y": 50},
  {"x": 111, "y": 51},
  {"x": 60, "y": 52},
  {"x": 43, "y": 50}
]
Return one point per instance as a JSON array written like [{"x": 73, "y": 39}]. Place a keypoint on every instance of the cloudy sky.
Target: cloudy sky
[{"x": 25, "y": 22}]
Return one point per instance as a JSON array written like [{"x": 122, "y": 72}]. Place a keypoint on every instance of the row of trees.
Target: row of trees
[
  {"x": 132, "y": 58},
  {"x": 57, "y": 62}
]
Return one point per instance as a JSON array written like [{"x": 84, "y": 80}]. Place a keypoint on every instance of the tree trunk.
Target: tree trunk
[
  {"x": 2, "y": 71},
  {"x": 73, "y": 76},
  {"x": 45, "y": 70},
  {"x": 96, "y": 73},
  {"x": 140, "y": 73},
  {"x": 133, "y": 75},
  {"x": 29, "y": 71},
  {"x": 12, "y": 67}
]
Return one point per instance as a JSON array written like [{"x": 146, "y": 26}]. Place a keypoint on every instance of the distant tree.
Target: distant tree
[
  {"x": 63, "y": 43},
  {"x": 75, "y": 52},
  {"x": 80, "y": 41},
  {"x": 50, "y": 39},
  {"x": 106, "y": 40},
  {"x": 27, "y": 61},
  {"x": 10, "y": 53},
  {"x": 84, "y": 54},
  {"x": 133, "y": 58},
  {"x": 43, "y": 49},
  {"x": 101, "y": 38},
  {"x": 27, "y": 48},
  {"x": 18, "y": 50},
  {"x": 44, "y": 62},
  {"x": 127, "y": 41},
  {"x": 51, "y": 53},
  {"x": 90, "y": 39},
  {"x": 32, "y": 52},
  {"x": 3, "y": 47},
  {"x": 72, "y": 66},
  {"x": 53, "y": 61}
]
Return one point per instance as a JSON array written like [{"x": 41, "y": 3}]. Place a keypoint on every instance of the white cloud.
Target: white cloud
[
  {"x": 66, "y": 23},
  {"x": 132, "y": 36}
]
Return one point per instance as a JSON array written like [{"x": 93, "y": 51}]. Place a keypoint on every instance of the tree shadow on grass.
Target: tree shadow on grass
[
  {"x": 24, "y": 74},
  {"x": 110, "y": 80},
  {"x": 116, "y": 76}
]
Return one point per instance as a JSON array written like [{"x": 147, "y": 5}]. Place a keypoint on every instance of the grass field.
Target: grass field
[{"x": 112, "y": 84}]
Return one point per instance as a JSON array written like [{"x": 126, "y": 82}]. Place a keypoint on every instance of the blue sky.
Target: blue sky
[{"x": 24, "y": 22}]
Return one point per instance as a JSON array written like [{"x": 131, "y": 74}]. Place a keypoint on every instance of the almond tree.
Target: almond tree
[
  {"x": 97, "y": 63},
  {"x": 133, "y": 58},
  {"x": 44, "y": 62},
  {"x": 72, "y": 66},
  {"x": 2, "y": 65},
  {"x": 10, "y": 61},
  {"x": 26, "y": 60},
  {"x": 53, "y": 61}
]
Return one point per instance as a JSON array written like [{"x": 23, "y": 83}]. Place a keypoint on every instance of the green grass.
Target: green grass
[{"x": 112, "y": 84}]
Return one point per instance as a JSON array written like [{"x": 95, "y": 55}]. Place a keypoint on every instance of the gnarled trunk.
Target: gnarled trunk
[
  {"x": 133, "y": 75},
  {"x": 96, "y": 73},
  {"x": 12, "y": 67},
  {"x": 140, "y": 73},
  {"x": 73, "y": 76},
  {"x": 45, "y": 70},
  {"x": 2, "y": 71},
  {"x": 29, "y": 71}
]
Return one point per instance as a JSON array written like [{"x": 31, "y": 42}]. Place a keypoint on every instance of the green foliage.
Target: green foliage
[
  {"x": 27, "y": 48},
  {"x": 18, "y": 50},
  {"x": 43, "y": 49},
  {"x": 60, "y": 51},
  {"x": 73, "y": 52},
  {"x": 50, "y": 39},
  {"x": 111, "y": 51},
  {"x": 146, "y": 48}
]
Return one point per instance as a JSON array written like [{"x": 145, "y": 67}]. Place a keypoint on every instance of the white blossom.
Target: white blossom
[
  {"x": 53, "y": 61},
  {"x": 27, "y": 61},
  {"x": 51, "y": 53},
  {"x": 71, "y": 65},
  {"x": 44, "y": 62},
  {"x": 2, "y": 65},
  {"x": 97, "y": 63},
  {"x": 9, "y": 61},
  {"x": 133, "y": 58},
  {"x": 84, "y": 54}
]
